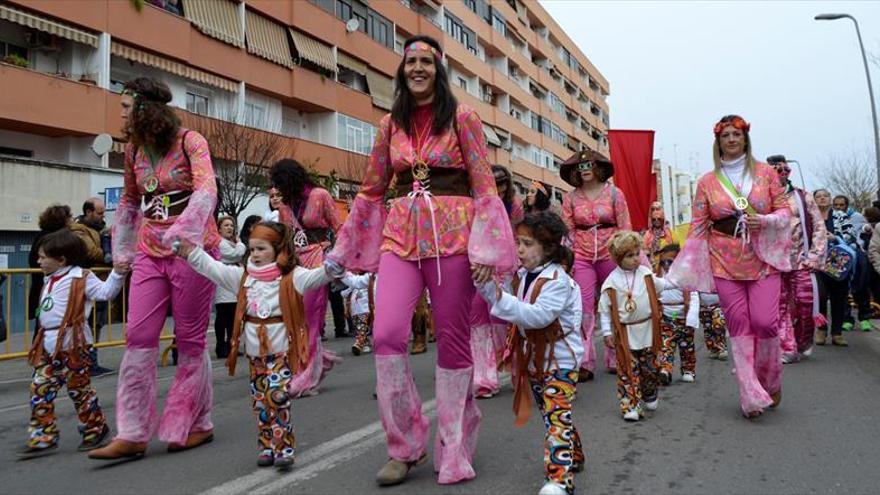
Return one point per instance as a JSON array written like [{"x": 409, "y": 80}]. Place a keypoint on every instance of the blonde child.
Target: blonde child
[
  {"x": 546, "y": 343},
  {"x": 629, "y": 319},
  {"x": 270, "y": 314},
  {"x": 60, "y": 350}
]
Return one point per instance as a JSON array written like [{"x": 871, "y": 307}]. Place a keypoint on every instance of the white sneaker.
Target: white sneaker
[
  {"x": 788, "y": 358},
  {"x": 808, "y": 352},
  {"x": 722, "y": 355},
  {"x": 687, "y": 377},
  {"x": 631, "y": 415},
  {"x": 551, "y": 488},
  {"x": 653, "y": 405}
]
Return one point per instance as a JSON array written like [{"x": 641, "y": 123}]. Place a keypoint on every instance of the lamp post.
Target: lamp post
[{"x": 834, "y": 17}]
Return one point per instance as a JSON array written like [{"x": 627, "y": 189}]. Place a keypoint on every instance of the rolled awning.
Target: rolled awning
[
  {"x": 313, "y": 50},
  {"x": 42, "y": 24},
  {"x": 491, "y": 136},
  {"x": 216, "y": 18},
  {"x": 351, "y": 63},
  {"x": 267, "y": 39},
  {"x": 177, "y": 68},
  {"x": 381, "y": 89}
]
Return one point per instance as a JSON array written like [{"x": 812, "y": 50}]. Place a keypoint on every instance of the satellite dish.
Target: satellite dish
[
  {"x": 352, "y": 25},
  {"x": 102, "y": 144}
]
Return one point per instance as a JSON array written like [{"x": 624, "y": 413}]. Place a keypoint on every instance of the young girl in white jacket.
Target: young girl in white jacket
[
  {"x": 545, "y": 307},
  {"x": 270, "y": 313}
]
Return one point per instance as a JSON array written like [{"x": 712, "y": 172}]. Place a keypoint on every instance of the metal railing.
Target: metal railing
[{"x": 112, "y": 333}]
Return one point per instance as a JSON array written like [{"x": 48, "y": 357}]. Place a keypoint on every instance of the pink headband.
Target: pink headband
[{"x": 421, "y": 45}]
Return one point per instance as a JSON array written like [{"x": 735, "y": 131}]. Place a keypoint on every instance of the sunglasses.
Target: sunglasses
[
  {"x": 783, "y": 169},
  {"x": 585, "y": 166},
  {"x": 666, "y": 263}
]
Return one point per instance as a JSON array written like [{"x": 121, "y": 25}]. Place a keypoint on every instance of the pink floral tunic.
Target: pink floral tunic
[
  {"x": 708, "y": 253},
  {"x": 814, "y": 258},
  {"x": 320, "y": 213},
  {"x": 476, "y": 225},
  {"x": 134, "y": 232},
  {"x": 608, "y": 208}
]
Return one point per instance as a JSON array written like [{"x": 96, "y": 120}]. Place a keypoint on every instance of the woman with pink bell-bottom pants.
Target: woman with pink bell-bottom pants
[{"x": 739, "y": 242}]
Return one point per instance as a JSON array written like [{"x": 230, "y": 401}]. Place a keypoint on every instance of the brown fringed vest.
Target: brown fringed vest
[
  {"x": 531, "y": 348},
  {"x": 74, "y": 320},
  {"x": 621, "y": 337},
  {"x": 293, "y": 317}
]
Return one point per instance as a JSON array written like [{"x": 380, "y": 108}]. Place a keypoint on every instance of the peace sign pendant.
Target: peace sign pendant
[
  {"x": 152, "y": 184},
  {"x": 741, "y": 203},
  {"x": 421, "y": 172},
  {"x": 47, "y": 304},
  {"x": 629, "y": 306}
]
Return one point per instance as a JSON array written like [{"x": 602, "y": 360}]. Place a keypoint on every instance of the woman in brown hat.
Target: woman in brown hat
[{"x": 593, "y": 212}]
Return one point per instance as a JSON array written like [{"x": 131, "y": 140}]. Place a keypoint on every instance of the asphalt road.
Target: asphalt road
[{"x": 822, "y": 439}]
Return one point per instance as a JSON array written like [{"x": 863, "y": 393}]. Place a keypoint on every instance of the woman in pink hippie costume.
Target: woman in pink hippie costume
[
  {"x": 488, "y": 333},
  {"x": 169, "y": 194},
  {"x": 593, "y": 212},
  {"x": 446, "y": 229},
  {"x": 798, "y": 301},
  {"x": 739, "y": 242},
  {"x": 310, "y": 212}
]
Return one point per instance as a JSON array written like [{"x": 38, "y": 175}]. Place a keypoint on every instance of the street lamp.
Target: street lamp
[{"x": 834, "y": 17}]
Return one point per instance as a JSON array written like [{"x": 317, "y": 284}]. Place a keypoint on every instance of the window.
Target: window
[
  {"x": 471, "y": 4},
  {"x": 369, "y": 21},
  {"x": 4, "y": 150},
  {"x": 556, "y": 104},
  {"x": 197, "y": 103},
  {"x": 354, "y": 135},
  {"x": 254, "y": 115},
  {"x": 463, "y": 83},
  {"x": 7, "y": 49},
  {"x": 456, "y": 29},
  {"x": 546, "y": 128},
  {"x": 498, "y": 23}
]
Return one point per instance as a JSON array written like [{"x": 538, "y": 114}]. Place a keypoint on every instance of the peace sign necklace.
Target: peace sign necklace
[
  {"x": 153, "y": 181},
  {"x": 630, "y": 304},
  {"x": 420, "y": 170}
]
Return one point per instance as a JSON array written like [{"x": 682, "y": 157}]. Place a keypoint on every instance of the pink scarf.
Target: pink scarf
[{"x": 265, "y": 273}]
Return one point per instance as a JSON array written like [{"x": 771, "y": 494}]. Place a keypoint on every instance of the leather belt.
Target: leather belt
[
  {"x": 443, "y": 181},
  {"x": 726, "y": 225},
  {"x": 592, "y": 226}
]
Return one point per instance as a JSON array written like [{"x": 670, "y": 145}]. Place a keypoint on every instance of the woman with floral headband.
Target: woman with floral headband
[
  {"x": 537, "y": 198},
  {"x": 169, "y": 194},
  {"x": 446, "y": 229},
  {"x": 739, "y": 242},
  {"x": 593, "y": 212},
  {"x": 658, "y": 235}
]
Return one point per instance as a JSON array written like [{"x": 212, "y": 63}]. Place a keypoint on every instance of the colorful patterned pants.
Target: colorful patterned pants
[
  {"x": 796, "y": 325},
  {"x": 270, "y": 376},
  {"x": 362, "y": 330},
  {"x": 49, "y": 377},
  {"x": 714, "y": 328},
  {"x": 643, "y": 385},
  {"x": 676, "y": 334},
  {"x": 563, "y": 452}
]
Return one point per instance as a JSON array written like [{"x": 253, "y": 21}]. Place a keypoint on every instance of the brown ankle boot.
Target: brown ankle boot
[
  {"x": 419, "y": 344},
  {"x": 119, "y": 449},
  {"x": 193, "y": 440}
]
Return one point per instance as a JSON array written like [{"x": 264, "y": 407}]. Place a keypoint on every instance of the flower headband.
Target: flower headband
[
  {"x": 540, "y": 187},
  {"x": 421, "y": 45},
  {"x": 737, "y": 122}
]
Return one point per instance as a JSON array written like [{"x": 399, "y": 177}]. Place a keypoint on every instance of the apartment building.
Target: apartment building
[{"x": 301, "y": 71}]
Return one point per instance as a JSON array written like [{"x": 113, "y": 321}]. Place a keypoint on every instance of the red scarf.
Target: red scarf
[{"x": 265, "y": 273}]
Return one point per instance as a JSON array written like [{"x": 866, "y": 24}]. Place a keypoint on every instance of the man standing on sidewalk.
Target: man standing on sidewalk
[{"x": 89, "y": 227}]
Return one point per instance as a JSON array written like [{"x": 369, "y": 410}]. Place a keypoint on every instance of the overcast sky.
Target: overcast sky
[{"x": 677, "y": 66}]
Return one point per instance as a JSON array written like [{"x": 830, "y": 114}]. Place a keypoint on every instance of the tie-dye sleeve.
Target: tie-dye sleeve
[
  {"x": 491, "y": 239},
  {"x": 128, "y": 217},
  {"x": 772, "y": 243},
  {"x": 692, "y": 270},
  {"x": 359, "y": 240},
  {"x": 192, "y": 223}
]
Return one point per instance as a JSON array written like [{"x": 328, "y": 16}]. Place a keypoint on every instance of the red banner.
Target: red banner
[{"x": 632, "y": 153}]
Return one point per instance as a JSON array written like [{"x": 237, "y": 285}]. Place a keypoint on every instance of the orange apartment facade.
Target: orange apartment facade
[{"x": 295, "y": 69}]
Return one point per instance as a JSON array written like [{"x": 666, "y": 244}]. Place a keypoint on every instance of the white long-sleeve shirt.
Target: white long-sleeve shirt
[
  {"x": 230, "y": 254},
  {"x": 262, "y": 297},
  {"x": 559, "y": 298},
  {"x": 640, "y": 334},
  {"x": 358, "y": 292},
  {"x": 59, "y": 291},
  {"x": 673, "y": 306}
]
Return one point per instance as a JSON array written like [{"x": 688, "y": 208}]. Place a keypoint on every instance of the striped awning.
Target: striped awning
[
  {"x": 313, "y": 50},
  {"x": 142, "y": 57},
  {"x": 42, "y": 24},
  {"x": 351, "y": 63},
  {"x": 381, "y": 89},
  {"x": 216, "y": 18},
  {"x": 491, "y": 136},
  {"x": 267, "y": 39}
]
